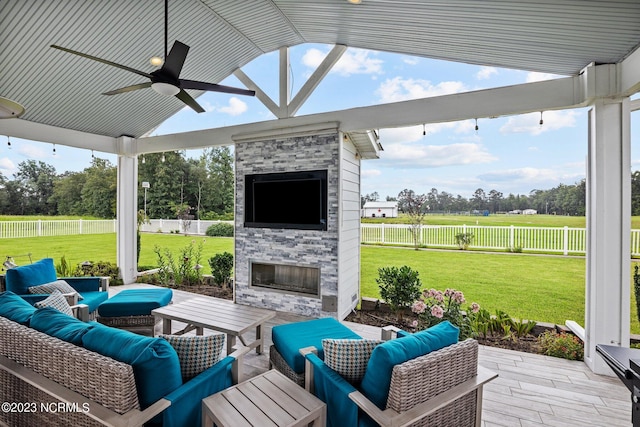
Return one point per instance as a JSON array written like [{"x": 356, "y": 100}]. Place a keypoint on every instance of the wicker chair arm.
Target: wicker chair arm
[
  {"x": 94, "y": 410},
  {"x": 389, "y": 417}
]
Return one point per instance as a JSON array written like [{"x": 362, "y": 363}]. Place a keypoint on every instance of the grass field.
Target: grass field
[{"x": 542, "y": 288}]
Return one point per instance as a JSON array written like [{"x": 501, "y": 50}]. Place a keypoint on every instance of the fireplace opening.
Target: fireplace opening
[{"x": 286, "y": 278}]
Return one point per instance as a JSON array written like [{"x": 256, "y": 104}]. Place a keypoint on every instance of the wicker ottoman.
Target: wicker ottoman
[
  {"x": 131, "y": 309},
  {"x": 284, "y": 354}
]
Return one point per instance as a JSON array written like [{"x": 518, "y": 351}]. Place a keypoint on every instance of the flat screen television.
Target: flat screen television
[{"x": 296, "y": 200}]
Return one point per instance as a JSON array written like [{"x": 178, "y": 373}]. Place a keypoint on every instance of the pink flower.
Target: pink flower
[
  {"x": 414, "y": 324},
  {"x": 449, "y": 292},
  {"x": 418, "y": 307},
  {"x": 475, "y": 307},
  {"x": 458, "y": 297},
  {"x": 437, "y": 311},
  {"x": 438, "y": 296}
]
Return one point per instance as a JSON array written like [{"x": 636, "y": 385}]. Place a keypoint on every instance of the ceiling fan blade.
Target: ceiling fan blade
[
  {"x": 175, "y": 60},
  {"x": 192, "y": 84},
  {"x": 187, "y": 99},
  {"x": 128, "y": 88},
  {"x": 104, "y": 61}
]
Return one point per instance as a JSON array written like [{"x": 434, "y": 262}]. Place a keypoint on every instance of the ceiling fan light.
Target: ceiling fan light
[
  {"x": 165, "y": 89},
  {"x": 156, "y": 61},
  {"x": 10, "y": 109}
]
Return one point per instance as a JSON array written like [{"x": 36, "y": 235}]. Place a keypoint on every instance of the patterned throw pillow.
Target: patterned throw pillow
[
  {"x": 56, "y": 300},
  {"x": 348, "y": 357},
  {"x": 196, "y": 353},
  {"x": 48, "y": 288}
]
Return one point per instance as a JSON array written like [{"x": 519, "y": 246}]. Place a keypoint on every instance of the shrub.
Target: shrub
[
  {"x": 183, "y": 271},
  {"x": 399, "y": 287},
  {"x": 463, "y": 240},
  {"x": 563, "y": 345},
  {"x": 221, "y": 229},
  {"x": 221, "y": 268},
  {"x": 436, "y": 306},
  {"x": 63, "y": 269},
  {"x": 100, "y": 268}
]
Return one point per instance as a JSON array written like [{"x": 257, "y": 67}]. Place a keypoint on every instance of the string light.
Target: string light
[
  {"x": 424, "y": 129},
  {"x": 541, "y": 121},
  {"x": 92, "y": 155},
  {"x": 163, "y": 158},
  {"x": 54, "y": 149},
  {"x": 143, "y": 160},
  {"x": 477, "y": 126},
  {"x": 8, "y": 143}
]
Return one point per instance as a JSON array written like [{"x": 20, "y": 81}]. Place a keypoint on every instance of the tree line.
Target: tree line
[
  {"x": 561, "y": 200},
  {"x": 200, "y": 188}
]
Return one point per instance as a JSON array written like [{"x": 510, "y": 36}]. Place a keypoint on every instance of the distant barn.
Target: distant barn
[
  {"x": 529, "y": 212},
  {"x": 380, "y": 210}
]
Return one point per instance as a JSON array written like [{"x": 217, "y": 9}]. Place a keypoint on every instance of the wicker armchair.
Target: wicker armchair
[{"x": 442, "y": 388}]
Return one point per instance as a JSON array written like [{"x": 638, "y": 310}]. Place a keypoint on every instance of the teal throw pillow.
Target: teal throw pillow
[
  {"x": 51, "y": 322},
  {"x": 14, "y": 308},
  {"x": 155, "y": 364},
  {"x": 377, "y": 378}
]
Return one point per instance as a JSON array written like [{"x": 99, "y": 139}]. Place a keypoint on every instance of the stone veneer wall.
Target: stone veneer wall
[{"x": 311, "y": 248}]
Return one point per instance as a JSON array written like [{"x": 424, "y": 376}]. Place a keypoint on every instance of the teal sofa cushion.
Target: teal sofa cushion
[
  {"x": 290, "y": 338},
  {"x": 93, "y": 299},
  {"x": 19, "y": 279},
  {"x": 377, "y": 378},
  {"x": 59, "y": 325},
  {"x": 155, "y": 364},
  {"x": 14, "y": 308},
  {"x": 135, "y": 302}
]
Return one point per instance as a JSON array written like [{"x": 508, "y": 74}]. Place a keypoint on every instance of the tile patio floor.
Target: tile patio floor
[{"x": 530, "y": 391}]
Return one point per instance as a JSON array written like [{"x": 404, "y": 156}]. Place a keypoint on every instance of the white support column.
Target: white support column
[
  {"x": 127, "y": 211},
  {"x": 608, "y": 278}
]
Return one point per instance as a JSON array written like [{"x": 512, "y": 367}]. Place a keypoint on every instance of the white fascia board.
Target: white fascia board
[
  {"x": 630, "y": 74},
  {"x": 33, "y": 131}
]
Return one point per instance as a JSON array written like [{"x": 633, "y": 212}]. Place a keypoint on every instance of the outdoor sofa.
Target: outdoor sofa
[{"x": 104, "y": 375}]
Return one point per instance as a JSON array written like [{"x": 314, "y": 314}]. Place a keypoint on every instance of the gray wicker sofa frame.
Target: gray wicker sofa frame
[{"x": 53, "y": 382}]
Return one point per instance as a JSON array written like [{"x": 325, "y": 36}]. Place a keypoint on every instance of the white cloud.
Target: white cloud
[
  {"x": 31, "y": 151},
  {"x": 421, "y": 155},
  {"x": 399, "y": 89},
  {"x": 410, "y": 60},
  {"x": 530, "y": 123},
  {"x": 235, "y": 107},
  {"x": 530, "y": 175},
  {"x": 486, "y": 73},
  {"x": 353, "y": 61},
  {"x": 7, "y": 167},
  {"x": 367, "y": 173},
  {"x": 538, "y": 77}
]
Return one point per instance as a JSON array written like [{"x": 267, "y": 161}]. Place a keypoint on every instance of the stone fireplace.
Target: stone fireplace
[{"x": 313, "y": 272}]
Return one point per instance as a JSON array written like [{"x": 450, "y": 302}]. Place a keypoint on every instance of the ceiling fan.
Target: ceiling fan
[{"x": 166, "y": 80}]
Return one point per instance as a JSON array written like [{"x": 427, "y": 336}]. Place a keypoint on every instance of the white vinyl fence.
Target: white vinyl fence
[{"x": 564, "y": 240}]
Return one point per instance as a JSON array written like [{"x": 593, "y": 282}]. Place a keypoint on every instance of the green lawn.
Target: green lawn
[{"x": 542, "y": 288}]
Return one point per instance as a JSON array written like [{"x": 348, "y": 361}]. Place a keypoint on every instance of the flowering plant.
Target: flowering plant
[{"x": 435, "y": 306}]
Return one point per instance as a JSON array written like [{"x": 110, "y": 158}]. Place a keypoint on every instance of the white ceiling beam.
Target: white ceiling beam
[
  {"x": 504, "y": 101},
  {"x": 260, "y": 94},
  {"x": 630, "y": 73},
  {"x": 33, "y": 131},
  {"x": 318, "y": 75},
  {"x": 285, "y": 90}
]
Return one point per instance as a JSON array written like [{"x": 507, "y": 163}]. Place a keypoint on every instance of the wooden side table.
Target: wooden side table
[{"x": 269, "y": 399}]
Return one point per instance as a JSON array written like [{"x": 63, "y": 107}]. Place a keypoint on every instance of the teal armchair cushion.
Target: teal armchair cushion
[
  {"x": 19, "y": 279},
  {"x": 155, "y": 364},
  {"x": 93, "y": 299},
  {"x": 186, "y": 401},
  {"x": 59, "y": 325},
  {"x": 14, "y": 308},
  {"x": 290, "y": 338},
  {"x": 377, "y": 378}
]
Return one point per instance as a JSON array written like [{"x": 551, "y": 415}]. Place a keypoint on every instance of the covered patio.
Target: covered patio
[{"x": 594, "y": 44}]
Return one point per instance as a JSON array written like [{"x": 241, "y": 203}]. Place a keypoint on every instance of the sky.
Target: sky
[{"x": 509, "y": 154}]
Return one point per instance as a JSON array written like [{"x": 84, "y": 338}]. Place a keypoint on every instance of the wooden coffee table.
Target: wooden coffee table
[
  {"x": 219, "y": 315},
  {"x": 269, "y": 399}
]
